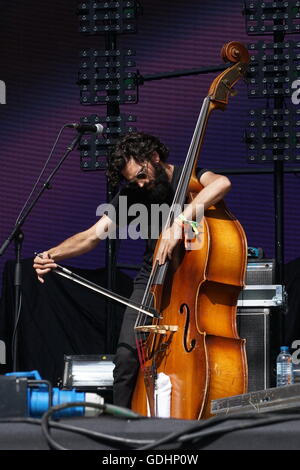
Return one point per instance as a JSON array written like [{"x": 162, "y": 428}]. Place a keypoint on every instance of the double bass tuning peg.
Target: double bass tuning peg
[{"x": 232, "y": 91}]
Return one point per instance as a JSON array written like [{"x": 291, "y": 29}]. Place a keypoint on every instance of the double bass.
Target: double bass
[{"x": 191, "y": 353}]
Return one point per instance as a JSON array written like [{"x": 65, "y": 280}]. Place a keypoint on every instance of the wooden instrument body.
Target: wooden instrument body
[
  {"x": 205, "y": 358},
  {"x": 196, "y": 343}
]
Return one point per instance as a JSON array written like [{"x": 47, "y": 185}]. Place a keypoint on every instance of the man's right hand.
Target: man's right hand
[{"x": 43, "y": 263}]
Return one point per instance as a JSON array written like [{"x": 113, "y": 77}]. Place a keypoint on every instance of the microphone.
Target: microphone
[{"x": 97, "y": 128}]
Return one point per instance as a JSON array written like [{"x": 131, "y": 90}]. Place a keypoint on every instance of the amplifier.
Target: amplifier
[
  {"x": 260, "y": 272},
  {"x": 14, "y": 397},
  {"x": 267, "y": 295},
  {"x": 261, "y": 329}
]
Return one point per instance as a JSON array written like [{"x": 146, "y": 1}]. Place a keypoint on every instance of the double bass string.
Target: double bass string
[
  {"x": 181, "y": 190},
  {"x": 179, "y": 198}
]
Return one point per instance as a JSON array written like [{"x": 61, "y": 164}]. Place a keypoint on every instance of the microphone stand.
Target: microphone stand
[{"x": 18, "y": 237}]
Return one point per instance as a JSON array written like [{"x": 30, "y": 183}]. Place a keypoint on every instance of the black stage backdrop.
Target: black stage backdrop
[
  {"x": 61, "y": 317},
  {"x": 58, "y": 317}
]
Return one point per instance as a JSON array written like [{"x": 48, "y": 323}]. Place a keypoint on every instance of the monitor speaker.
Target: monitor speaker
[{"x": 260, "y": 328}]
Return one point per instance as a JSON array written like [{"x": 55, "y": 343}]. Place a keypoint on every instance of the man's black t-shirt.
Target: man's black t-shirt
[{"x": 137, "y": 195}]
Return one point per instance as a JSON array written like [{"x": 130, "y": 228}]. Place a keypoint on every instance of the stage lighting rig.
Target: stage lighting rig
[
  {"x": 273, "y": 68},
  {"x": 273, "y": 135},
  {"x": 104, "y": 17},
  {"x": 94, "y": 151},
  {"x": 272, "y": 17},
  {"x": 107, "y": 76}
]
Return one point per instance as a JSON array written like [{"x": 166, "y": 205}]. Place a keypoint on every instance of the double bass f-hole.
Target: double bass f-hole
[{"x": 185, "y": 310}]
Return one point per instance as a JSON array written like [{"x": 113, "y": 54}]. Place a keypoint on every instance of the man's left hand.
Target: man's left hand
[{"x": 169, "y": 239}]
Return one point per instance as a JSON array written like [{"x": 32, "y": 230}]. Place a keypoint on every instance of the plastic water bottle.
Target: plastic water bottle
[{"x": 284, "y": 368}]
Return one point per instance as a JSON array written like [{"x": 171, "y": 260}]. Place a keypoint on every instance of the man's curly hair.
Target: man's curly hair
[{"x": 136, "y": 145}]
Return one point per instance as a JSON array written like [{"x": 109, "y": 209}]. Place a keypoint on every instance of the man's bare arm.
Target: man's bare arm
[
  {"x": 76, "y": 245},
  {"x": 215, "y": 187}
]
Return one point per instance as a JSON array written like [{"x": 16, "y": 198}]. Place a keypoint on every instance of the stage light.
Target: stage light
[
  {"x": 107, "y": 76},
  {"x": 273, "y": 134},
  {"x": 109, "y": 16},
  {"x": 94, "y": 151},
  {"x": 88, "y": 372},
  {"x": 272, "y": 17},
  {"x": 273, "y": 67}
]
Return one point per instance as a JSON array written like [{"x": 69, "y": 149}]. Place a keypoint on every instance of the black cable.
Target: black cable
[
  {"x": 198, "y": 430},
  {"x": 203, "y": 429},
  {"x": 95, "y": 435},
  {"x": 131, "y": 443},
  {"x": 173, "y": 436},
  {"x": 274, "y": 418},
  {"x": 19, "y": 217},
  {"x": 41, "y": 173},
  {"x": 16, "y": 327},
  {"x": 20, "y": 420},
  {"x": 110, "y": 409}
]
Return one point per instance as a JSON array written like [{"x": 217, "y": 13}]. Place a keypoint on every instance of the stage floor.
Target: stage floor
[{"x": 260, "y": 431}]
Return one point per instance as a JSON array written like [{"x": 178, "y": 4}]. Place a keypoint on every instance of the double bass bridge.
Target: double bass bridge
[{"x": 161, "y": 329}]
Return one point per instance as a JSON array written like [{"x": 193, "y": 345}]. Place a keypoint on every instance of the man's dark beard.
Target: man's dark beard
[{"x": 159, "y": 190}]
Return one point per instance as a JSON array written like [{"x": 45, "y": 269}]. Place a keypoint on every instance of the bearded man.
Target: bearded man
[{"x": 139, "y": 163}]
